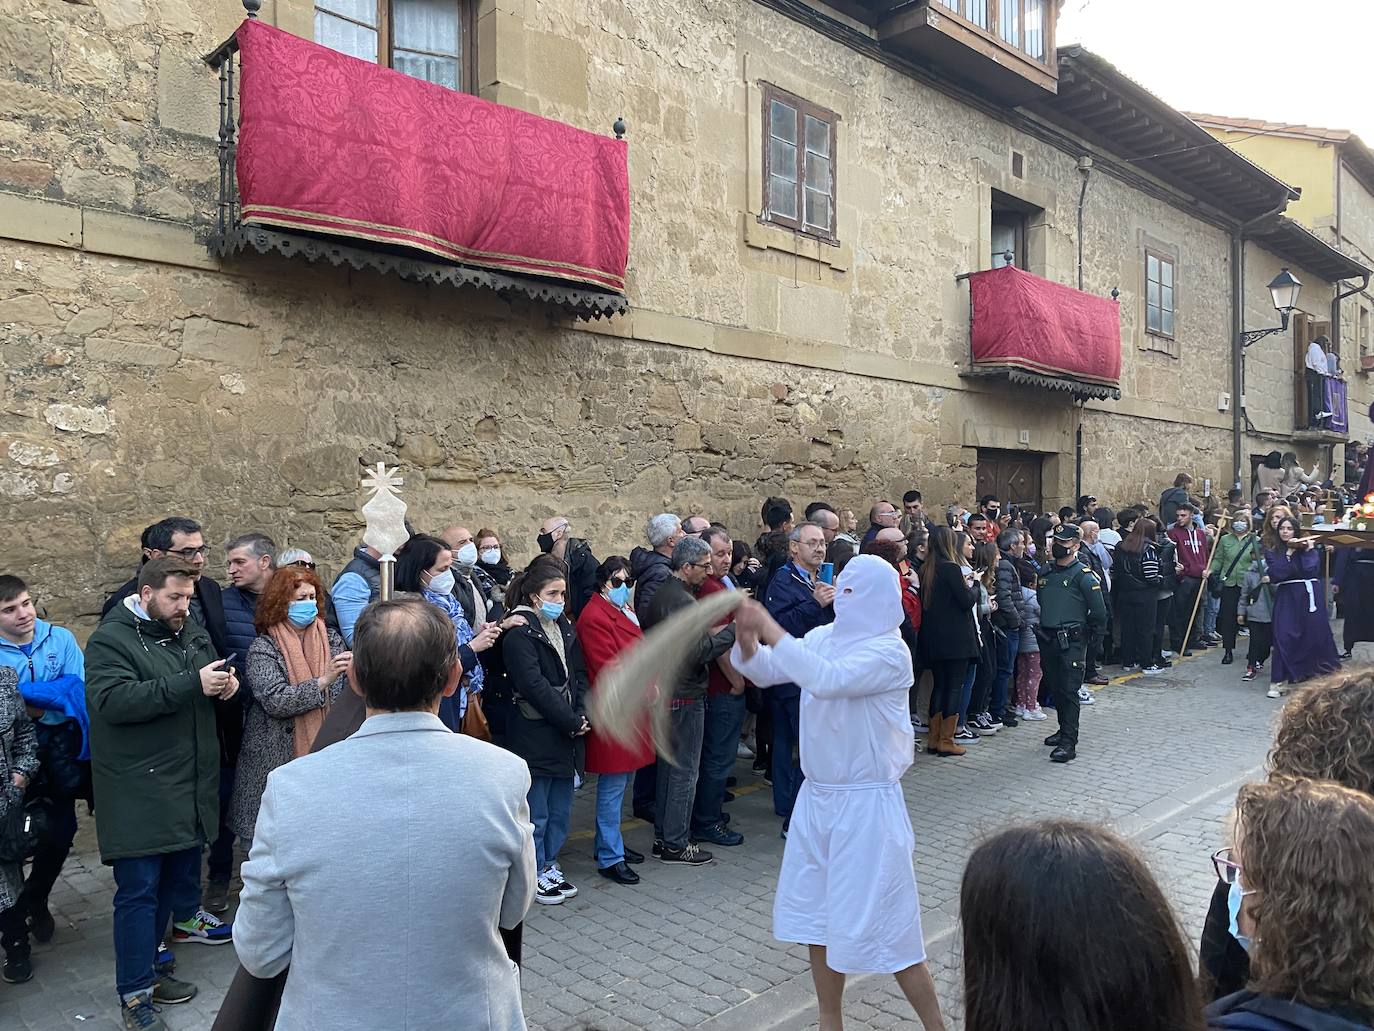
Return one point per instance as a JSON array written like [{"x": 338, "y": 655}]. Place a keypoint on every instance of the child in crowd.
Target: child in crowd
[
  {"x": 1256, "y": 611},
  {"x": 1028, "y": 658}
]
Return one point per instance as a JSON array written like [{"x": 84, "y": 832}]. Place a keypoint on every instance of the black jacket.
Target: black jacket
[
  {"x": 581, "y": 575},
  {"x": 1129, "y": 577},
  {"x": 649, "y": 570},
  {"x": 1223, "y": 963},
  {"x": 1169, "y": 502},
  {"x": 1008, "y": 588},
  {"x": 947, "y": 627},
  {"x": 1250, "y": 1011},
  {"x": 695, "y": 675},
  {"x": 548, "y": 700}
]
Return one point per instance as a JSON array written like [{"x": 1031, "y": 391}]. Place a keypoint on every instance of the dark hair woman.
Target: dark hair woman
[
  {"x": 1136, "y": 580},
  {"x": 1303, "y": 645},
  {"x": 1303, "y": 891},
  {"x": 295, "y": 669},
  {"x": 1040, "y": 528},
  {"x": 949, "y": 636},
  {"x": 975, "y": 713},
  {"x": 548, "y": 680},
  {"x": 424, "y": 566},
  {"x": 1035, "y": 901},
  {"x": 606, "y": 627},
  {"x": 491, "y": 557}
]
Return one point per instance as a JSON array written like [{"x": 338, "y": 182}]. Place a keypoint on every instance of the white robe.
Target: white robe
[{"x": 847, "y": 879}]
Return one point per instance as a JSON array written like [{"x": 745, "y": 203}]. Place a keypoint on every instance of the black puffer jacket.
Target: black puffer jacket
[
  {"x": 649, "y": 569},
  {"x": 548, "y": 699},
  {"x": 1010, "y": 604}
]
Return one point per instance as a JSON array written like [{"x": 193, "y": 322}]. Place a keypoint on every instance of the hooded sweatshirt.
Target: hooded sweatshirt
[{"x": 52, "y": 676}]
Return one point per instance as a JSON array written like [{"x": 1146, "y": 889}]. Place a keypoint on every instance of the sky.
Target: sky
[{"x": 1290, "y": 61}]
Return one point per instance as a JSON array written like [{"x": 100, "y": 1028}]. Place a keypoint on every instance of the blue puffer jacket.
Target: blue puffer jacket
[
  {"x": 53, "y": 675},
  {"x": 239, "y": 609},
  {"x": 1250, "y": 1011}
]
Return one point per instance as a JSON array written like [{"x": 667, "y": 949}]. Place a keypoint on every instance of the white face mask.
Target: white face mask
[
  {"x": 491, "y": 556},
  {"x": 466, "y": 555},
  {"x": 442, "y": 583}
]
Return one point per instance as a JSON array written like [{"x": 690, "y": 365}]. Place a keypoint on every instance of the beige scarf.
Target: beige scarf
[{"x": 306, "y": 654}]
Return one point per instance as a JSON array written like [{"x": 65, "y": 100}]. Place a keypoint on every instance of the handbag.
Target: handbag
[
  {"x": 1215, "y": 580},
  {"x": 475, "y": 720},
  {"x": 25, "y": 829}
]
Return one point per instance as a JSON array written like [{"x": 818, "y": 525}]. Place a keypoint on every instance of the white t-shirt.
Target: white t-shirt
[{"x": 1316, "y": 358}]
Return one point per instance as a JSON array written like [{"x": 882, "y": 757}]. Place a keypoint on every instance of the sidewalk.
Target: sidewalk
[{"x": 1159, "y": 760}]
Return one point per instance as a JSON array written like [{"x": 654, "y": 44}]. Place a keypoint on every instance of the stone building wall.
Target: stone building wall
[{"x": 141, "y": 377}]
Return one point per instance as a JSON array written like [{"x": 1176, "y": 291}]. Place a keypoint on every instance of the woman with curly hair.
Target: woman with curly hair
[
  {"x": 296, "y": 666},
  {"x": 1326, "y": 733},
  {"x": 1303, "y": 887}
]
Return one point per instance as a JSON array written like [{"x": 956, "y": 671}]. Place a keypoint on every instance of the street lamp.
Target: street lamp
[{"x": 1284, "y": 289}]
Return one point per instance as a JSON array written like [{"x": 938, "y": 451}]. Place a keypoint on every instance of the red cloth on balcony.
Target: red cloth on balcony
[
  {"x": 1022, "y": 321},
  {"x": 336, "y": 145}
]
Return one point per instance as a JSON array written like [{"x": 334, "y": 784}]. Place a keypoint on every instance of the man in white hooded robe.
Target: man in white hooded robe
[{"x": 848, "y": 887}]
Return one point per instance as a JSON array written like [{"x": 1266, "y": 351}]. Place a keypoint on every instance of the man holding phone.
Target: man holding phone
[{"x": 151, "y": 678}]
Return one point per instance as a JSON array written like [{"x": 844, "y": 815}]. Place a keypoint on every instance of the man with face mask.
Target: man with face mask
[
  {"x": 1071, "y": 611},
  {"x": 471, "y": 586},
  {"x": 555, "y": 538},
  {"x": 151, "y": 677}
]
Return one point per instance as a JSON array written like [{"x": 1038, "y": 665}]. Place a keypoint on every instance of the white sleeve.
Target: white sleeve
[
  {"x": 857, "y": 675},
  {"x": 761, "y": 669},
  {"x": 264, "y": 926}
]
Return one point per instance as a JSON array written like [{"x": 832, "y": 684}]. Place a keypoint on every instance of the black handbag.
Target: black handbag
[
  {"x": 1215, "y": 581},
  {"x": 24, "y": 830}
]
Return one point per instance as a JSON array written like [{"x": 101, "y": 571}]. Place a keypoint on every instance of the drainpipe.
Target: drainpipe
[
  {"x": 1238, "y": 417},
  {"x": 1085, "y": 168}
]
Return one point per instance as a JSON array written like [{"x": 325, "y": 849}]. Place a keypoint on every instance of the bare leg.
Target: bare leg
[
  {"x": 919, "y": 988},
  {"x": 830, "y": 991}
]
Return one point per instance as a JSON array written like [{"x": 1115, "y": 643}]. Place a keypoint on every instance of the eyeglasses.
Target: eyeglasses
[
  {"x": 700, "y": 565},
  {"x": 187, "y": 553},
  {"x": 1227, "y": 870},
  {"x": 303, "y": 564}
]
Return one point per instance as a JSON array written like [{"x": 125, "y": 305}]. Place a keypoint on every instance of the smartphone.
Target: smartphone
[
  {"x": 827, "y": 573},
  {"x": 229, "y": 662},
  {"x": 904, "y": 567}
]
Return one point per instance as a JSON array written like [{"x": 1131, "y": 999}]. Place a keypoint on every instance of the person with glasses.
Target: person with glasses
[
  {"x": 1302, "y": 905},
  {"x": 296, "y": 557},
  {"x": 491, "y": 559},
  {"x": 606, "y": 628},
  {"x": 881, "y": 516},
  {"x": 675, "y": 790}
]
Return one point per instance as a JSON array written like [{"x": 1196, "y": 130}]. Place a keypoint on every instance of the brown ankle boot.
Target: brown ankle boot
[
  {"x": 937, "y": 728},
  {"x": 950, "y": 727}
]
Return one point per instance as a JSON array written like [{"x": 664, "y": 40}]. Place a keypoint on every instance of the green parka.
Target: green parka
[{"x": 154, "y": 749}]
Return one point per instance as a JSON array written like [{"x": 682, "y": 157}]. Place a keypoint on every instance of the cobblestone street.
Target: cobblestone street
[{"x": 1160, "y": 760}]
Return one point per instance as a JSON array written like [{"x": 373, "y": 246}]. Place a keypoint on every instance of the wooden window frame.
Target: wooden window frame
[
  {"x": 830, "y": 118},
  {"x": 993, "y": 29},
  {"x": 1172, "y": 261},
  {"x": 386, "y": 44}
]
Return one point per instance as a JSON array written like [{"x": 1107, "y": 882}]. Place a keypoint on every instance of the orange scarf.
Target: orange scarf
[{"x": 306, "y": 654}]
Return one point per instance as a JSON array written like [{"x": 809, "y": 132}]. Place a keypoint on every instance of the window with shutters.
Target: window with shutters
[
  {"x": 434, "y": 40},
  {"x": 1159, "y": 294},
  {"x": 798, "y": 164}
]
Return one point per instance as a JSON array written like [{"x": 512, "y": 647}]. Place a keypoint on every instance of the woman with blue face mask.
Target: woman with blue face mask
[
  {"x": 607, "y": 627},
  {"x": 548, "y": 681},
  {"x": 298, "y": 668},
  {"x": 425, "y": 567}
]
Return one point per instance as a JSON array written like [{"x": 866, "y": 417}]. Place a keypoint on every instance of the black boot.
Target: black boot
[{"x": 1227, "y": 658}]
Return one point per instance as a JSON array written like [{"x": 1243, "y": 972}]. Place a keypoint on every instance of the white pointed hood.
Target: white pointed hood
[{"x": 868, "y": 600}]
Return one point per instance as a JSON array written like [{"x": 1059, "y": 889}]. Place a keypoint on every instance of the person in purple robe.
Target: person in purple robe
[{"x": 1303, "y": 645}]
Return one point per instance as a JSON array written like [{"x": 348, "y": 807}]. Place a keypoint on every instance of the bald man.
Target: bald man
[{"x": 471, "y": 586}]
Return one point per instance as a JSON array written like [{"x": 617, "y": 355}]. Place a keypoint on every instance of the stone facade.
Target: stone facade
[{"x": 142, "y": 378}]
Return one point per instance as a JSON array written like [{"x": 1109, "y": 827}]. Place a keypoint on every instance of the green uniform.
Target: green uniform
[{"x": 1071, "y": 609}]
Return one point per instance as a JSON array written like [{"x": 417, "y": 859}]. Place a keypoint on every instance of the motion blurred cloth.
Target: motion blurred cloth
[
  {"x": 332, "y": 144},
  {"x": 1021, "y": 321}
]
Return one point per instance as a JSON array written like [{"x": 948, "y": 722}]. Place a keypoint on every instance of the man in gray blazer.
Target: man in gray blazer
[{"x": 383, "y": 866}]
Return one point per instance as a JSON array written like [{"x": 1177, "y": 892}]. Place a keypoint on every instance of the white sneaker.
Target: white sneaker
[
  {"x": 547, "y": 893},
  {"x": 1021, "y": 712},
  {"x": 919, "y": 725},
  {"x": 1273, "y": 692},
  {"x": 1166, "y": 655},
  {"x": 744, "y": 751},
  {"x": 1152, "y": 670},
  {"x": 1086, "y": 697},
  {"x": 1036, "y": 715},
  {"x": 965, "y": 736}
]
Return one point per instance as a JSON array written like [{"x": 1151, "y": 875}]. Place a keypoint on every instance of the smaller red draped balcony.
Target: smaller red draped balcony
[
  {"x": 1032, "y": 331},
  {"x": 331, "y": 158}
]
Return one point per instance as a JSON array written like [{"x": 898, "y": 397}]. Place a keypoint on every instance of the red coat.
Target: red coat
[{"x": 604, "y": 632}]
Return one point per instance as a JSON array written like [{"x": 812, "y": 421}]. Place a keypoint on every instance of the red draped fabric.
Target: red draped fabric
[
  {"x": 336, "y": 145},
  {"x": 1024, "y": 322}
]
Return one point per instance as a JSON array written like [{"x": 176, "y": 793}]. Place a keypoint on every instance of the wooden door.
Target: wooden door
[
  {"x": 1302, "y": 336},
  {"x": 1014, "y": 476}
]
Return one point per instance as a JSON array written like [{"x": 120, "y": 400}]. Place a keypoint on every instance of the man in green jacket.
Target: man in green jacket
[{"x": 151, "y": 675}]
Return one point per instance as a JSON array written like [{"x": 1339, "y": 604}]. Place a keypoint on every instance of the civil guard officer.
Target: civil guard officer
[{"x": 1071, "y": 611}]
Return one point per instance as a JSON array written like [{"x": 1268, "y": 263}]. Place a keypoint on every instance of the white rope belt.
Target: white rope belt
[{"x": 1311, "y": 594}]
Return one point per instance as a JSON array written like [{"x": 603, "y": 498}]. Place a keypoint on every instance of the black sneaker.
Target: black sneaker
[
  {"x": 691, "y": 855},
  {"x": 547, "y": 893},
  {"x": 658, "y": 848},
  {"x": 17, "y": 970},
  {"x": 168, "y": 991},
  {"x": 42, "y": 926},
  {"x": 140, "y": 1014},
  {"x": 1009, "y": 719},
  {"x": 1249, "y": 674},
  {"x": 719, "y": 835}
]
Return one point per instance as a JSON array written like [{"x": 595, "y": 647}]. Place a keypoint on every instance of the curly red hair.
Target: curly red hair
[{"x": 281, "y": 592}]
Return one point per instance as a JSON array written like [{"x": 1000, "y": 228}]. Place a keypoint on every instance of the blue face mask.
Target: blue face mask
[
  {"x": 551, "y": 609},
  {"x": 619, "y": 595},
  {"x": 302, "y": 613},
  {"x": 1233, "y": 901}
]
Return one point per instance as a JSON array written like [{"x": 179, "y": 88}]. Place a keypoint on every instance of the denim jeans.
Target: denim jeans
[
  {"x": 787, "y": 774},
  {"x": 150, "y": 891},
  {"x": 550, "y": 801},
  {"x": 677, "y": 784},
  {"x": 221, "y": 863},
  {"x": 966, "y": 692},
  {"x": 610, "y": 797},
  {"x": 1007, "y": 650},
  {"x": 719, "y": 750},
  {"x": 1211, "y": 608}
]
